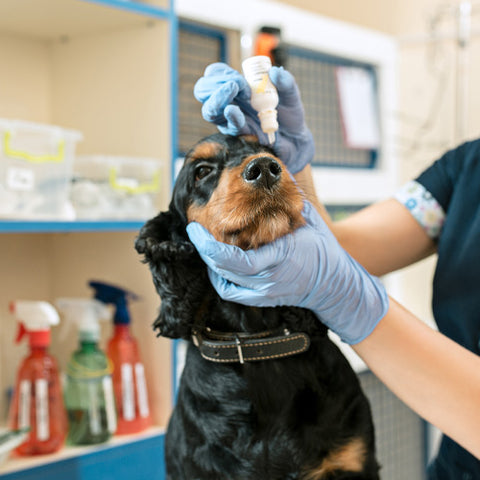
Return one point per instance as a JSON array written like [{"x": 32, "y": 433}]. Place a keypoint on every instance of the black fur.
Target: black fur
[{"x": 268, "y": 420}]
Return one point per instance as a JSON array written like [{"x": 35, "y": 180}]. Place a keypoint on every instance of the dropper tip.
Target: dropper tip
[{"x": 271, "y": 138}]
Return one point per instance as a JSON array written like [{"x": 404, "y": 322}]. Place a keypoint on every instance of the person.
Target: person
[{"x": 330, "y": 267}]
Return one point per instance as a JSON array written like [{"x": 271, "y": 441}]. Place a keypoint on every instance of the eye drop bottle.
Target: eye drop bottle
[{"x": 264, "y": 94}]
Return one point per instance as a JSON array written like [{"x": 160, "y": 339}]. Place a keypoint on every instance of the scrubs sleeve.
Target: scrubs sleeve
[
  {"x": 428, "y": 196},
  {"x": 423, "y": 207}
]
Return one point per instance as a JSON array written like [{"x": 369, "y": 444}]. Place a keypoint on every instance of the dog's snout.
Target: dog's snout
[{"x": 262, "y": 172}]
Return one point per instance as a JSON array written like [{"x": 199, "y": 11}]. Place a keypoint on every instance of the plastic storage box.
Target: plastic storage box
[
  {"x": 114, "y": 187},
  {"x": 35, "y": 170}
]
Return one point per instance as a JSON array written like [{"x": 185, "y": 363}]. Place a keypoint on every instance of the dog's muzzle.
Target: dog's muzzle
[
  {"x": 242, "y": 347},
  {"x": 262, "y": 172}
]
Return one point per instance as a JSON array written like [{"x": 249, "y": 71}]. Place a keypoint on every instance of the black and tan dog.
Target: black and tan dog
[{"x": 265, "y": 395}]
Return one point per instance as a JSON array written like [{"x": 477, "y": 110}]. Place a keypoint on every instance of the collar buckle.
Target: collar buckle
[{"x": 239, "y": 349}]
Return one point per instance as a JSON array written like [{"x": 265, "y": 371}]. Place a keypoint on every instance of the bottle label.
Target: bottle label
[
  {"x": 24, "y": 404},
  {"x": 94, "y": 409},
  {"x": 41, "y": 409},
  {"x": 20, "y": 179},
  {"x": 141, "y": 391},
  {"x": 128, "y": 397},
  {"x": 110, "y": 404}
]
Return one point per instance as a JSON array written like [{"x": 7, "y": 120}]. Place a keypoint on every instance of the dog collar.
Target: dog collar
[{"x": 240, "y": 347}]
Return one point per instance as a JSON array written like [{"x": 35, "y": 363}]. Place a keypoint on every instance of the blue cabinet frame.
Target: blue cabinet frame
[{"x": 138, "y": 460}]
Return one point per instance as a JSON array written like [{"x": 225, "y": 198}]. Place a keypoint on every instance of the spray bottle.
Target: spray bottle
[
  {"x": 128, "y": 371},
  {"x": 264, "y": 94},
  {"x": 37, "y": 402},
  {"x": 89, "y": 398}
]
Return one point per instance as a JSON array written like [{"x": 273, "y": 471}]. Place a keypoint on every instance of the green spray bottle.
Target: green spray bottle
[{"x": 89, "y": 397}]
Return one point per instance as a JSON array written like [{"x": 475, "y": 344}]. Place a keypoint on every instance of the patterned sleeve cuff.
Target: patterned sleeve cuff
[{"x": 423, "y": 206}]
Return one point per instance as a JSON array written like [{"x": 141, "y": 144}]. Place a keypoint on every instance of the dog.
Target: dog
[{"x": 264, "y": 394}]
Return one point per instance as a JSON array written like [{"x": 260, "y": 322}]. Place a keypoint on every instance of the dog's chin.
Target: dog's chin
[{"x": 259, "y": 230}]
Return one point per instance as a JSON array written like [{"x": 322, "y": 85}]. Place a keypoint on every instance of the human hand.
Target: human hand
[
  {"x": 225, "y": 95},
  {"x": 307, "y": 268}
]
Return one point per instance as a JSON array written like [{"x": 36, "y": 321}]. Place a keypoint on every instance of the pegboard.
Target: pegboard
[
  {"x": 198, "y": 46},
  {"x": 399, "y": 432},
  {"x": 316, "y": 79}
]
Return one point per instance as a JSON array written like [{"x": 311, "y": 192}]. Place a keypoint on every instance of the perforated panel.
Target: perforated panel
[
  {"x": 399, "y": 432},
  {"x": 315, "y": 76},
  {"x": 198, "y": 47}
]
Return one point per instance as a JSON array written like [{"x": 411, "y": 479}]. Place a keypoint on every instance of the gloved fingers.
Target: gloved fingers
[
  {"x": 214, "y": 77},
  {"x": 236, "y": 122},
  {"x": 214, "y": 106},
  {"x": 218, "y": 68},
  {"x": 284, "y": 81},
  {"x": 239, "y": 294},
  {"x": 310, "y": 214},
  {"x": 294, "y": 161},
  {"x": 314, "y": 219},
  {"x": 231, "y": 261}
]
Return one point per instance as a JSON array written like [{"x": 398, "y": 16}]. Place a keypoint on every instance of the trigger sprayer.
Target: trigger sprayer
[
  {"x": 128, "y": 371},
  {"x": 89, "y": 396},
  {"x": 37, "y": 402}
]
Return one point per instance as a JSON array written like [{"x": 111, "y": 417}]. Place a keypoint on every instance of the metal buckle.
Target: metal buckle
[
  {"x": 196, "y": 340},
  {"x": 239, "y": 349}
]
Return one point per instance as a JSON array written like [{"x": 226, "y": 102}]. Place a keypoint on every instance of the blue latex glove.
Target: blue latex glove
[
  {"x": 307, "y": 268},
  {"x": 225, "y": 95}
]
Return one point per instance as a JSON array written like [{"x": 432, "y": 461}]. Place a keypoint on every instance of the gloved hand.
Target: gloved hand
[
  {"x": 225, "y": 95},
  {"x": 307, "y": 268}
]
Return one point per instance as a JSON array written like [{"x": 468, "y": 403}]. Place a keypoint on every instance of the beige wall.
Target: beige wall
[
  {"x": 112, "y": 86},
  {"x": 388, "y": 16}
]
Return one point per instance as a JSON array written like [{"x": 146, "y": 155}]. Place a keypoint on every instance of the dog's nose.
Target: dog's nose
[{"x": 262, "y": 172}]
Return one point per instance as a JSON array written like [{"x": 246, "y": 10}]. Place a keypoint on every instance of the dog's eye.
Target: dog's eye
[{"x": 202, "y": 171}]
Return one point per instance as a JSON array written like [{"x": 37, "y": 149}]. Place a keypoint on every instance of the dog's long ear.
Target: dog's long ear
[{"x": 179, "y": 275}]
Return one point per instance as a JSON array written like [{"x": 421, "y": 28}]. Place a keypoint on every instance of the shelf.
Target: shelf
[
  {"x": 94, "y": 461},
  {"x": 54, "y": 19},
  {"x": 19, "y": 226}
]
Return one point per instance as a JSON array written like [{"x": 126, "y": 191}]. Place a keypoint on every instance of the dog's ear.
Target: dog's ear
[
  {"x": 164, "y": 227},
  {"x": 179, "y": 275}
]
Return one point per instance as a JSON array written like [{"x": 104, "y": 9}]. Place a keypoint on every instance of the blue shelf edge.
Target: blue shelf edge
[
  {"x": 22, "y": 226},
  {"x": 142, "y": 459},
  {"x": 135, "y": 7}
]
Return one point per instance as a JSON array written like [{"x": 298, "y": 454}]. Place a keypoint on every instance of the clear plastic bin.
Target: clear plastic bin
[
  {"x": 35, "y": 170},
  {"x": 114, "y": 187}
]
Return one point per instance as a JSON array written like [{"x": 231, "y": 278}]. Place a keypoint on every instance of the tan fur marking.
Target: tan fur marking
[
  {"x": 205, "y": 150},
  {"x": 350, "y": 457},
  {"x": 239, "y": 214},
  {"x": 250, "y": 138}
]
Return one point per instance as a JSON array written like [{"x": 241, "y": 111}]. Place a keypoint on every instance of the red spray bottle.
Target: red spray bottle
[
  {"x": 38, "y": 402},
  {"x": 128, "y": 372}
]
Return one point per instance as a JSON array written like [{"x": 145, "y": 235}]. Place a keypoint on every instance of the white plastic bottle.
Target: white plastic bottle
[{"x": 264, "y": 94}]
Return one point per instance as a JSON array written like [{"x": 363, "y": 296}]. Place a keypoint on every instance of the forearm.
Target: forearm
[
  {"x": 383, "y": 237},
  {"x": 436, "y": 377}
]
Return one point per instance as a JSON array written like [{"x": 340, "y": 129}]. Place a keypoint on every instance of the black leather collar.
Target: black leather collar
[{"x": 224, "y": 347}]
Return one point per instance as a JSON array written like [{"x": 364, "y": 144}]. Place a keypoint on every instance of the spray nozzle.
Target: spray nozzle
[
  {"x": 35, "y": 320},
  {"x": 117, "y": 296},
  {"x": 85, "y": 313}
]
